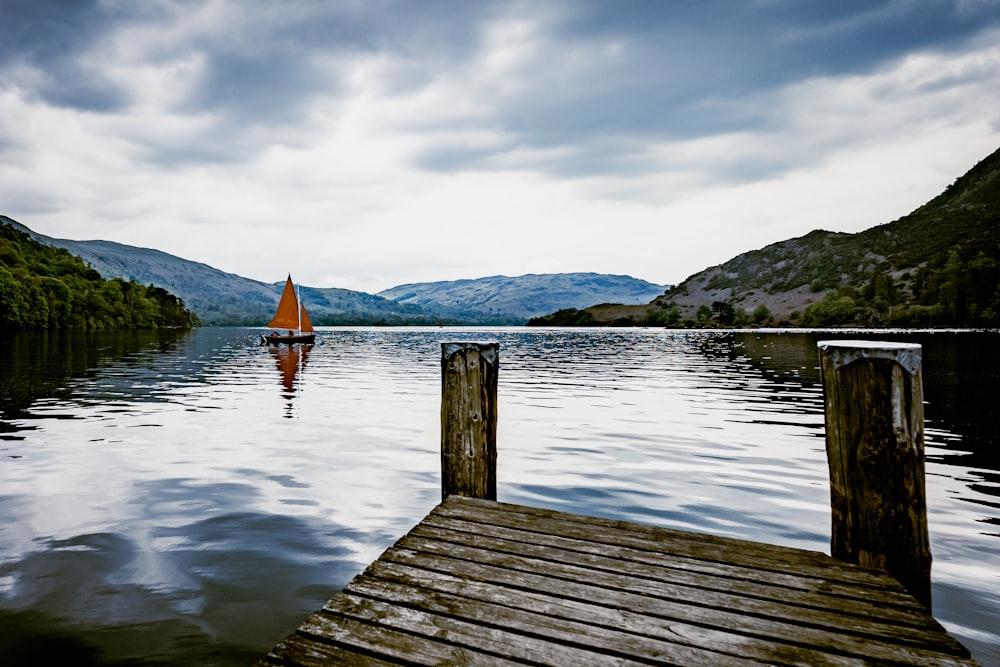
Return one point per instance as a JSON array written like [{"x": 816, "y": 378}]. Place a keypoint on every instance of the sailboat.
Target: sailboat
[{"x": 291, "y": 316}]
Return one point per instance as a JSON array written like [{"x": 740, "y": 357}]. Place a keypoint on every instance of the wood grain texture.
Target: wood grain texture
[
  {"x": 875, "y": 448},
  {"x": 469, "y": 373},
  {"x": 479, "y": 582}
]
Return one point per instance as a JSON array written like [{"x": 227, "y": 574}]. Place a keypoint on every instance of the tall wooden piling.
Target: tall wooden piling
[
  {"x": 875, "y": 448},
  {"x": 469, "y": 419}
]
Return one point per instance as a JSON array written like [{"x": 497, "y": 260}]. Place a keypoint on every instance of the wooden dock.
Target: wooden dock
[{"x": 479, "y": 582}]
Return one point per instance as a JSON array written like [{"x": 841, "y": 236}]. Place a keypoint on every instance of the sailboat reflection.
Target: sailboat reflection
[{"x": 291, "y": 362}]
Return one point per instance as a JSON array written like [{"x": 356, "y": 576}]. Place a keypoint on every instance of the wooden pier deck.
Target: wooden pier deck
[{"x": 479, "y": 582}]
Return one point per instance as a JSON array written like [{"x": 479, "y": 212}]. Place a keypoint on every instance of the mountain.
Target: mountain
[
  {"x": 221, "y": 298},
  {"x": 937, "y": 266},
  {"x": 516, "y": 299}
]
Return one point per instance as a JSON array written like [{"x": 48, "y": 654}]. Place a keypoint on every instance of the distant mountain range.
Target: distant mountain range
[
  {"x": 518, "y": 299},
  {"x": 938, "y": 266},
  {"x": 221, "y": 298}
]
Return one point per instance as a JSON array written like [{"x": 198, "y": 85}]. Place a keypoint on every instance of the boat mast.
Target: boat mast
[{"x": 298, "y": 307}]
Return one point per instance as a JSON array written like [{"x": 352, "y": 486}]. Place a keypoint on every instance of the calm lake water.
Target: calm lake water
[{"x": 189, "y": 497}]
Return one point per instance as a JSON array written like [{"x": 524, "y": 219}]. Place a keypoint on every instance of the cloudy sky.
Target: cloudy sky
[{"x": 368, "y": 143}]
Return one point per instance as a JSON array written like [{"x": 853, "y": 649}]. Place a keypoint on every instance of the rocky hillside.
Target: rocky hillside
[
  {"x": 937, "y": 266},
  {"x": 516, "y": 299}
]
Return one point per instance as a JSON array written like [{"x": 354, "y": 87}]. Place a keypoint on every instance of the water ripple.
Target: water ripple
[{"x": 186, "y": 491}]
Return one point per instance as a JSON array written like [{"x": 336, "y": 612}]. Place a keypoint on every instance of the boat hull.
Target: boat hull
[{"x": 303, "y": 339}]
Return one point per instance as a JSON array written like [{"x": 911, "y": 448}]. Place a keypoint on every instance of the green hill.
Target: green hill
[
  {"x": 939, "y": 266},
  {"x": 44, "y": 287}
]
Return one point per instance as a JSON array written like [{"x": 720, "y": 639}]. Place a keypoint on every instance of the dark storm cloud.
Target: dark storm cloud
[
  {"x": 260, "y": 64},
  {"x": 270, "y": 69},
  {"x": 696, "y": 69},
  {"x": 680, "y": 54},
  {"x": 599, "y": 80},
  {"x": 48, "y": 36},
  {"x": 771, "y": 42}
]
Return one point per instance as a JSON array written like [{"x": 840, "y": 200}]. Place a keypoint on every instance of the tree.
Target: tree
[
  {"x": 761, "y": 314},
  {"x": 723, "y": 313},
  {"x": 832, "y": 310},
  {"x": 666, "y": 317}
]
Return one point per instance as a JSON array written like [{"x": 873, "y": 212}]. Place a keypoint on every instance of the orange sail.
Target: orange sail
[
  {"x": 290, "y": 314},
  {"x": 307, "y": 326}
]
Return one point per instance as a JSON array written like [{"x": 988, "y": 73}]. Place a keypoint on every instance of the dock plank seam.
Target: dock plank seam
[
  {"x": 649, "y": 537},
  {"x": 666, "y": 569},
  {"x": 453, "y": 633},
  {"x": 779, "y": 630},
  {"x": 631, "y": 628},
  {"x": 523, "y": 643},
  {"x": 713, "y": 585}
]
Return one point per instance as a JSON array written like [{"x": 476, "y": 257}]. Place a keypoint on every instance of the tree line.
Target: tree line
[
  {"x": 955, "y": 291},
  {"x": 958, "y": 290},
  {"x": 44, "y": 287}
]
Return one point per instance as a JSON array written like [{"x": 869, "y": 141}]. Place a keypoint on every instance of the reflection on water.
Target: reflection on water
[
  {"x": 189, "y": 497},
  {"x": 291, "y": 362},
  {"x": 34, "y": 365}
]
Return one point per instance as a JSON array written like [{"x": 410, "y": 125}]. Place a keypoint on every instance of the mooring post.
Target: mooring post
[
  {"x": 875, "y": 448},
  {"x": 469, "y": 419}
]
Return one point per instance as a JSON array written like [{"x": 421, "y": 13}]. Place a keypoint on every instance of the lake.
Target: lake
[{"x": 189, "y": 497}]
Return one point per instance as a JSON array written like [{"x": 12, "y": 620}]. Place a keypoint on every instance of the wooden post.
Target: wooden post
[
  {"x": 469, "y": 419},
  {"x": 875, "y": 448}
]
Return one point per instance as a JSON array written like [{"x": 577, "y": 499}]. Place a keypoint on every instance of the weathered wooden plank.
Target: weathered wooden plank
[
  {"x": 480, "y": 582},
  {"x": 614, "y": 631},
  {"x": 485, "y": 637},
  {"x": 389, "y": 644},
  {"x": 743, "y": 594},
  {"x": 620, "y": 532},
  {"x": 900, "y": 646},
  {"x": 306, "y": 651},
  {"x": 807, "y": 591},
  {"x": 694, "y": 545}
]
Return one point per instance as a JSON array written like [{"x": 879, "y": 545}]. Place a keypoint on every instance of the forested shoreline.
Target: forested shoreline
[{"x": 45, "y": 287}]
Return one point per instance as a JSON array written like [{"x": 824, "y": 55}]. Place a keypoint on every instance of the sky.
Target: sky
[{"x": 365, "y": 144}]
